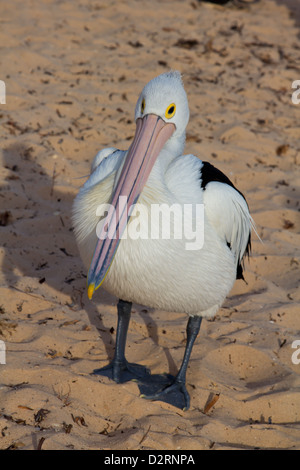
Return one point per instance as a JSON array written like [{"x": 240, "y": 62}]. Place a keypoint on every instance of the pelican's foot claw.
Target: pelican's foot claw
[
  {"x": 164, "y": 387},
  {"x": 123, "y": 372}
]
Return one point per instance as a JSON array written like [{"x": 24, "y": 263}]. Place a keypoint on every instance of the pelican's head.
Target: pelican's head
[
  {"x": 165, "y": 97},
  {"x": 161, "y": 115}
]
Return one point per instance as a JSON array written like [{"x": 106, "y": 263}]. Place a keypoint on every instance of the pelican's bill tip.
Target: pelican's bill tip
[{"x": 91, "y": 290}]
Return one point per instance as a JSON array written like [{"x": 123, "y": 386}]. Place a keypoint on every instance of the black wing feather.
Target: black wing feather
[{"x": 210, "y": 173}]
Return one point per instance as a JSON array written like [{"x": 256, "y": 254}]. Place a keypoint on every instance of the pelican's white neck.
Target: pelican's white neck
[
  {"x": 175, "y": 145},
  {"x": 172, "y": 149}
]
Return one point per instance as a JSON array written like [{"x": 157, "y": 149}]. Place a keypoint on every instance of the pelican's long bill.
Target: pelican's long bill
[{"x": 151, "y": 134}]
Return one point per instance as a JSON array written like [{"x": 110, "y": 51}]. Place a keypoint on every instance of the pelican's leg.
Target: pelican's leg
[
  {"x": 119, "y": 369},
  {"x": 165, "y": 387}
]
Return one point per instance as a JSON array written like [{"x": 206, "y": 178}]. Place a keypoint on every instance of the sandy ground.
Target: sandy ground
[{"x": 73, "y": 72}]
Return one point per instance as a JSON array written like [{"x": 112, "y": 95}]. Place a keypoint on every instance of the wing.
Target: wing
[
  {"x": 105, "y": 162},
  {"x": 101, "y": 155},
  {"x": 228, "y": 212}
]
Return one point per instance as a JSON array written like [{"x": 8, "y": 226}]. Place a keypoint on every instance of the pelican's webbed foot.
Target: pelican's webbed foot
[
  {"x": 123, "y": 371},
  {"x": 166, "y": 388}
]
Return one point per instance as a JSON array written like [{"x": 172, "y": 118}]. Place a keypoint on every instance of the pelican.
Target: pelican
[{"x": 160, "y": 272}]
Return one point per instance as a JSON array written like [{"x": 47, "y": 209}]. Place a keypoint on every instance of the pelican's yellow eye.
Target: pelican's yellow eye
[
  {"x": 143, "y": 106},
  {"x": 170, "y": 111}
]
